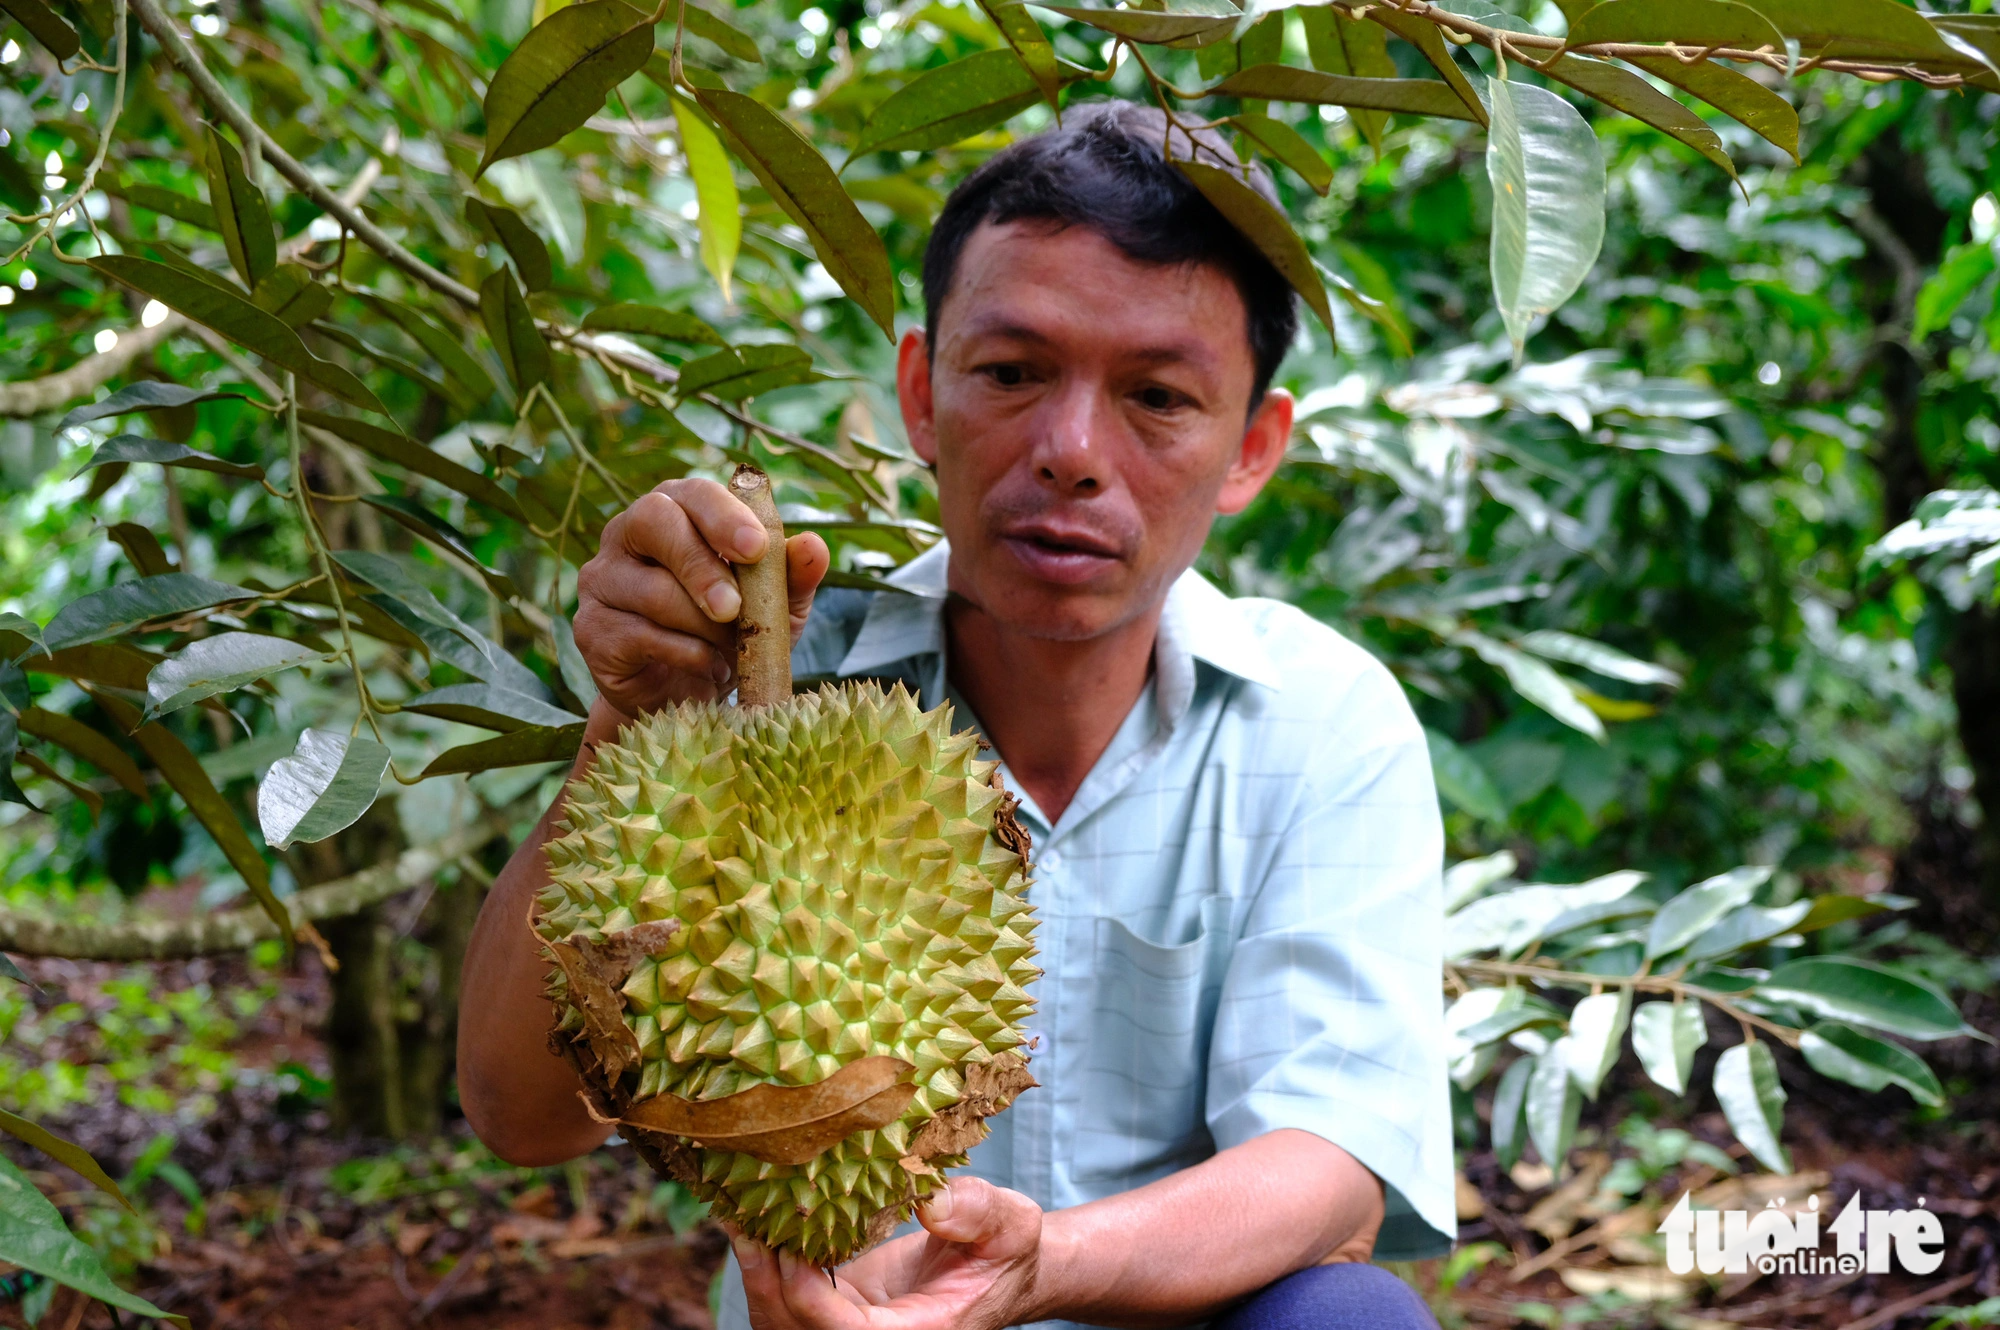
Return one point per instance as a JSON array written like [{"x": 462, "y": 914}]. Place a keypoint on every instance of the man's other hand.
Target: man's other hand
[
  {"x": 656, "y": 607},
  {"x": 976, "y": 1267}
]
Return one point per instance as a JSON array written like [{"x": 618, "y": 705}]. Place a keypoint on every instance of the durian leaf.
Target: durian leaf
[
  {"x": 524, "y": 747},
  {"x": 86, "y": 743},
  {"x": 787, "y": 1124},
  {"x": 146, "y": 395},
  {"x": 325, "y": 785},
  {"x": 34, "y": 1237},
  {"x": 67, "y": 1153},
  {"x": 490, "y": 706},
  {"x": 211, "y": 665},
  {"x": 128, "y": 448},
  {"x": 113, "y": 610}
]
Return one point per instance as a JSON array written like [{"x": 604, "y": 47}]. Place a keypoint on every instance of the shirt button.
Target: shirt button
[{"x": 1050, "y": 859}]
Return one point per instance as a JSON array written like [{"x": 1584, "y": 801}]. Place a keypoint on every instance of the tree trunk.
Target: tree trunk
[{"x": 393, "y": 1022}]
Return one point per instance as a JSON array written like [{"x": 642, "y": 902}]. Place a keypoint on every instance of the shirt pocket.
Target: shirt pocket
[{"x": 1140, "y": 1110}]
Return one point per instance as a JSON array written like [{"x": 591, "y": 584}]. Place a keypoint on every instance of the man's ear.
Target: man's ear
[
  {"x": 913, "y": 394},
  {"x": 1260, "y": 454}
]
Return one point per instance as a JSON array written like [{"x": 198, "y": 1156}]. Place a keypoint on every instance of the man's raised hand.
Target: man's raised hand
[
  {"x": 978, "y": 1267},
  {"x": 656, "y": 605}
]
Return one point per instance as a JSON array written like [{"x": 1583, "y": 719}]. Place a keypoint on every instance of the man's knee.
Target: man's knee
[{"x": 1331, "y": 1297}]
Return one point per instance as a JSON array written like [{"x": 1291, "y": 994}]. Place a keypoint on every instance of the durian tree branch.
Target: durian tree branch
[
  {"x": 234, "y": 930},
  {"x": 764, "y": 628}
]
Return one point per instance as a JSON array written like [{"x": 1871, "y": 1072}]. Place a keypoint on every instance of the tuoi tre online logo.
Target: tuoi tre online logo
[{"x": 1775, "y": 1241}]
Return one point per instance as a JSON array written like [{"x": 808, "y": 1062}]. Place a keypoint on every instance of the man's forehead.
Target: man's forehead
[{"x": 1034, "y": 281}]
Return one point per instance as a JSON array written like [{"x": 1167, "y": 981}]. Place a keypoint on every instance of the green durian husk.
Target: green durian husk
[{"x": 848, "y": 881}]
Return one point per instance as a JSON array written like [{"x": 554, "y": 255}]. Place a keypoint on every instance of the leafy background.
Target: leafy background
[{"x": 1637, "y": 585}]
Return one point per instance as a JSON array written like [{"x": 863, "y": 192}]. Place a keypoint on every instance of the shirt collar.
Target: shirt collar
[{"x": 1198, "y": 622}]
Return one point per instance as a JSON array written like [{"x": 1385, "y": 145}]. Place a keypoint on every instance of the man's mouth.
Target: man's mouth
[{"x": 1067, "y": 557}]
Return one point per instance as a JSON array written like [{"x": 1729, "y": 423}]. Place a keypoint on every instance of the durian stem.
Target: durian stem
[{"x": 764, "y": 628}]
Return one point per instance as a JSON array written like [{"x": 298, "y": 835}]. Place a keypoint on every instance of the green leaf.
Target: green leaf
[
  {"x": 1836, "y": 908},
  {"x": 1860, "y": 30},
  {"x": 1031, "y": 46},
  {"x": 83, "y": 741},
  {"x": 1524, "y": 1014},
  {"x": 1746, "y": 927},
  {"x": 10, "y": 747},
  {"x": 734, "y": 374},
  {"x": 476, "y": 654},
  {"x": 1281, "y": 143},
  {"x": 414, "y": 457},
  {"x": 124, "y": 449},
  {"x": 733, "y": 40},
  {"x": 560, "y": 74},
  {"x": 22, "y": 626},
  {"x": 1690, "y": 913},
  {"x": 1845, "y": 1054},
  {"x": 1547, "y": 171},
  {"x": 1596, "y": 1031},
  {"x": 9, "y": 970},
  {"x": 145, "y": 395},
  {"x": 1746, "y": 1085},
  {"x": 421, "y": 521},
  {"x": 34, "y": 1237},
  {"x": 211, "y": 665},
  {"x": 1286, "y": 83},
  {"x": 213, "y": 305},
  {"x": 524, "y": 747},
  {"x": 241, "y": 212},
  {"x": 19, "y": 190},
  {"x": 523, "y": 352},
  {"x": 115, "y": 609},
  {"x": 576, "y": 674},
  {"x": 444, "y": 347},
  {"x": 142, "y": 547},
  {"x": 530, "y": 255},
  {"x": 1552, "y": 1107},
  {"x": 1353, "y": 48},
  {"x": 1424, "y": 35},
  {"x": 1625, "y": 91},
  {"x": 1510, "y": 1099},
  {"x": 1863, "y": 993},
  {"x": 289, "y": 292},
  {"x": 1462, "y": 780},
  {"x": 673, "y": 324},
  {"x": 198, "y": 792},
  {"x": 1530, "y": 677},
  {"x": 491, "y": 707},
  {"x": 801, "y": 182},
  {"x": 715, "y": 194},
  {"x": 1264, "y": 226},
  {"x": 1508, "y": 921},
  {"x": 67, "y": 1153},
  {"x": 1469, "y": 879},
  {"x": 1691, "y": 23},
  {"x": 1964, "y": 270},
  {"x": 1595, "y": 657},
  {"x": 950, "y": 103},
  {"x": 45, "y": 26},
  {"x": 324, "y": 787},
  {"x": 1665, "y": 1035},
  {"x": 166, "y": 202},
  {"x": 1151, "y": 28}
]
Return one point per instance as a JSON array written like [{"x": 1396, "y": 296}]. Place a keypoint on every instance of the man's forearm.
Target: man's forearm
[
  {"x": 521, "y": 1100},
  {"x": 1178, "y": 1249}
]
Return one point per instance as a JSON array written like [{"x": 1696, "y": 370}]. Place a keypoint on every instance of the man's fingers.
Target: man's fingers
[
  {"x": 640, "y": 666},
  {"x": 726, "y": 523},
  {"x": 761, "y": 1285},
  {"x": 974, "y": 1212},
  {"x": 813, "y": 1299},
  {"x": 806, "y": 562},
  {"x": 637, "y": 588},
  {"x": 658, "y": 530}
]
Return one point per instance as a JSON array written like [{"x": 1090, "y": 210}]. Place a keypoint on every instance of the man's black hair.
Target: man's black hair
[{"x": 1104, "y": 169}]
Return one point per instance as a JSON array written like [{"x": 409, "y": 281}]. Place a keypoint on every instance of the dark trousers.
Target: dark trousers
[{"x": 1331, "y": 1297}]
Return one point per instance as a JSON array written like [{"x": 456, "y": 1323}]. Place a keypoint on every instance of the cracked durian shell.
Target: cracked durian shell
[{"x": 848, "y": 882}]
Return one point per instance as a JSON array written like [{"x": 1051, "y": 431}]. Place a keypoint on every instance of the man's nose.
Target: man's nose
[{"x": 1069, "y": 450}]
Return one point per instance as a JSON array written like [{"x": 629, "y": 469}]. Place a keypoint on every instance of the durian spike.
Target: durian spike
[{"x": 764, "y": 628}]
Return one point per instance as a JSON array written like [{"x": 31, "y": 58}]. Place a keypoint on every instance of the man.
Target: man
[{"x": 1236, "y": 837}]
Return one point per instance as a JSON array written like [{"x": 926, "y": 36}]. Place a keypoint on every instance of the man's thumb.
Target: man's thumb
[{"x": 974, "y": 1211}]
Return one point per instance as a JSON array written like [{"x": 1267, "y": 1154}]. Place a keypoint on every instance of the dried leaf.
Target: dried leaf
[
  {"x": 989, "y": 1087},
  {"x": 596, "y": 972},
  {"x": 786, "y": 1124}
]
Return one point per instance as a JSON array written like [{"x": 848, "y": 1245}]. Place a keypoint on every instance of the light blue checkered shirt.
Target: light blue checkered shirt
[{"x": 1241, "y": 924}]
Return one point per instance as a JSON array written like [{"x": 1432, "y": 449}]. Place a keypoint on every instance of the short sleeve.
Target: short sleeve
[{"x": 1331, "y": 1014}]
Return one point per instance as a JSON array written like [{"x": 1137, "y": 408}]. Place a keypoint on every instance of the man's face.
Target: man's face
[{"x": 1086, "y": 415}]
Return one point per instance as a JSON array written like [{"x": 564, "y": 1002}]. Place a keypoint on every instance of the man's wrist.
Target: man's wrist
[{"x": 1051, "y": 1295}]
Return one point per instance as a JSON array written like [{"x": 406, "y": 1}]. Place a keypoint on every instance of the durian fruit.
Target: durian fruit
[{"x": 792, "y": 946}]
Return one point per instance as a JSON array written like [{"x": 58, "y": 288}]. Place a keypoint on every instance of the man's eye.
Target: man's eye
[
  {"x": 1157, "y": 398},
  {"x": 1007, "y": 376}
]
